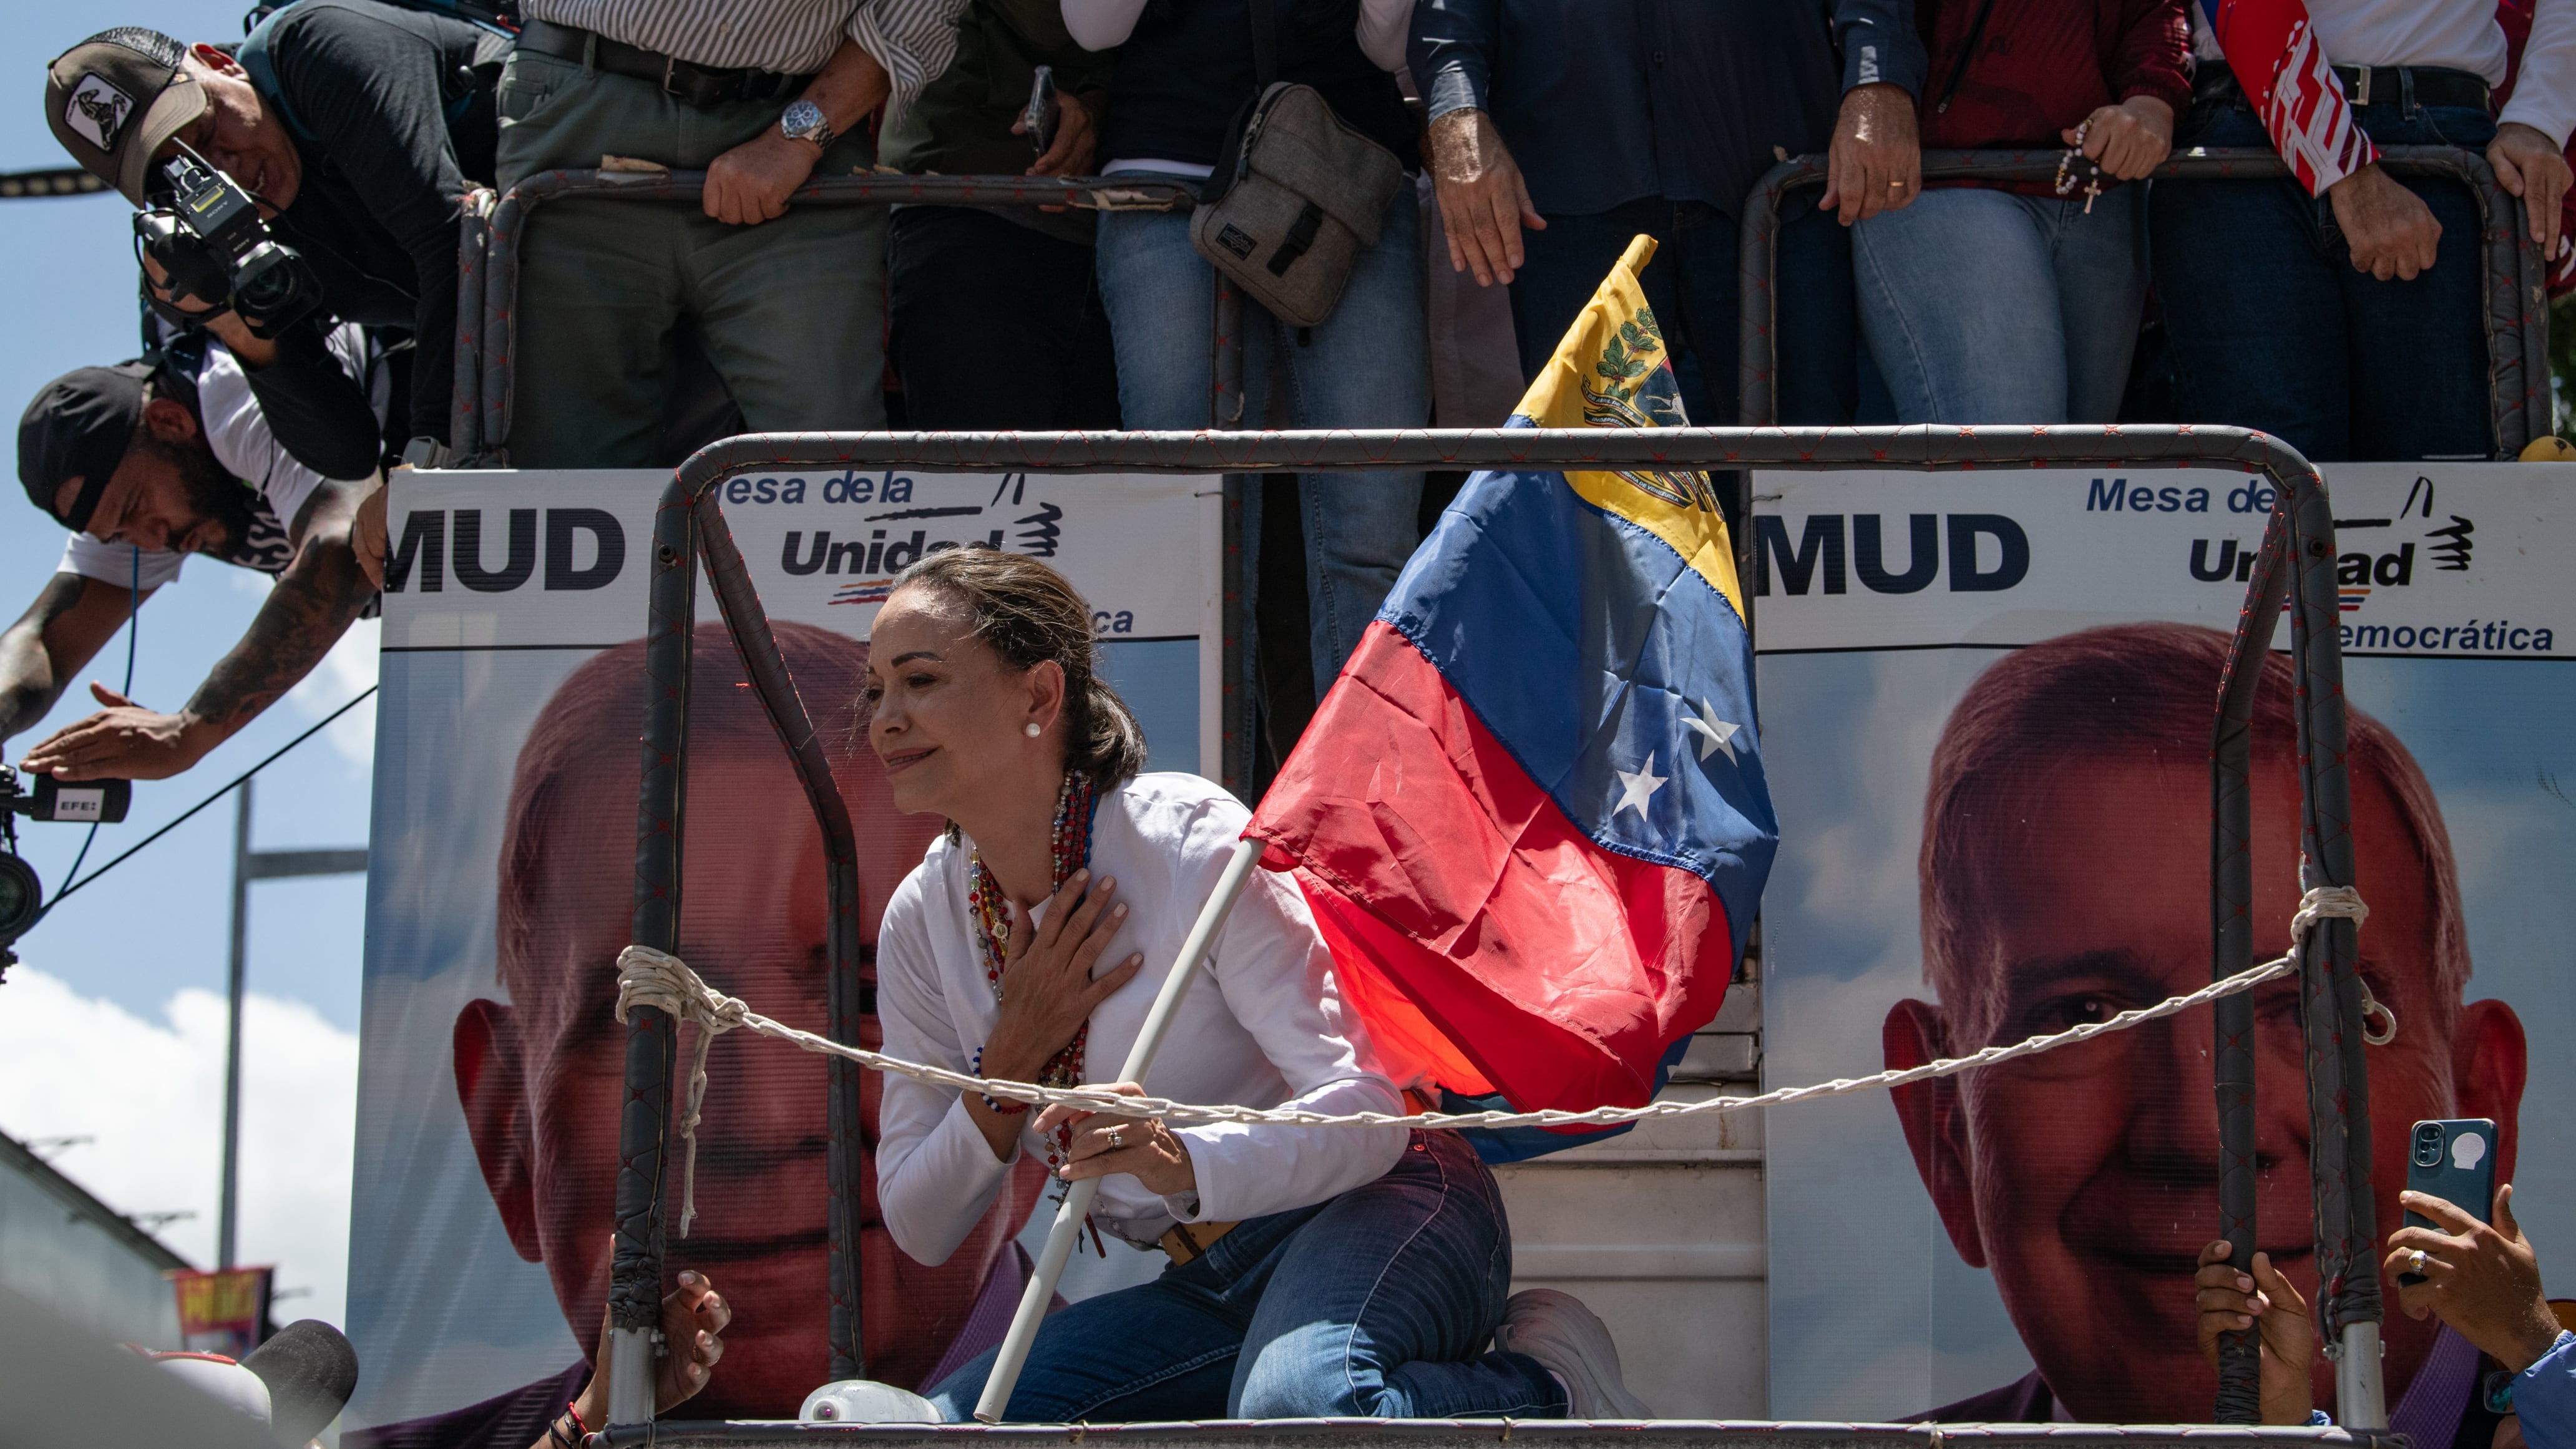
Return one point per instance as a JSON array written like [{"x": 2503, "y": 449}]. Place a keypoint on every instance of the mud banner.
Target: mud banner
[
  {"x": 503, "y": 873},
  {"x": 1986, "y": 701}
]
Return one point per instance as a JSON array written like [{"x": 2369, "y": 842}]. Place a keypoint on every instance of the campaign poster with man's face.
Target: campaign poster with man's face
[
  {"x": 1988, "y": 702},
  {"x": 491, "y": 1070}
]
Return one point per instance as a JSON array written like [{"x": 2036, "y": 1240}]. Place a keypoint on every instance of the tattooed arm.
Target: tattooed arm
[
  {"x": 314, "y": 602},
  {"x": 66, "y": 626}
]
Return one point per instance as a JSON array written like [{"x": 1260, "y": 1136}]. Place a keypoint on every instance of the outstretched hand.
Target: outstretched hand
[
  {"x": 2230, "y": 1299},
  {"x": 123, "y": 741}
]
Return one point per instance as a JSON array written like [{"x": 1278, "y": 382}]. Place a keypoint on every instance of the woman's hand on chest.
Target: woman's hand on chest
[{"x": 1049, "y": 988}]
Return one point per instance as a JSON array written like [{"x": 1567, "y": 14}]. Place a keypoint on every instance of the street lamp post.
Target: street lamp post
[{"x": 250, "y": 865}]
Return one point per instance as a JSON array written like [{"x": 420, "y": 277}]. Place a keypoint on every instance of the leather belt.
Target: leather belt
[
  {"x": 2367, "y": 85},
  {"x": 2422, "y": 85},
  {"x": 1185, "y": 1241},
  {"x": 687, "y": 82}
]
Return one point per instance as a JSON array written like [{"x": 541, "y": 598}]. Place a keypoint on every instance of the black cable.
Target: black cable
[
  {"x": 272, "y": 759},
  {"x": 133, "y": 616}
]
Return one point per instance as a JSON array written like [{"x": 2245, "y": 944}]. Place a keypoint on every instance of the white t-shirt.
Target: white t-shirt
[
  {"x": 2450, "y": 35},
  {"x": 1266, "y": 1028},
  {"x": 238, "y": 433}
]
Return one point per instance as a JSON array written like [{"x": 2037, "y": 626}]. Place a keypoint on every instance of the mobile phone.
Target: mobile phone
[
  {"x": 2454, "y": 1161},
  {"x": 1040, "y": 116}
]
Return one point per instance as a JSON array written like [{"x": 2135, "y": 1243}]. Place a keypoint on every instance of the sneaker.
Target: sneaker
[{"x": 1571, "y": 1342}]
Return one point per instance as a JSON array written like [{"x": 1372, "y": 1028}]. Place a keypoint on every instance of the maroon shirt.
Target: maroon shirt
[{"x": 2042, "y": 66}]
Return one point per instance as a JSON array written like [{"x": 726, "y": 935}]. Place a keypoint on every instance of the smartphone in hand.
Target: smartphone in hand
[
  {"x": 1039, "y": 118},
  {"x": 2455, "y": 1161}
]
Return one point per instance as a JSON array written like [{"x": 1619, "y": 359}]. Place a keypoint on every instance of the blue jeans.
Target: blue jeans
[
  {"x": 1377, "y": 1304},
  {"x": 1694, "y": 289},
  {"x": 1982, "y": 306},
  {"x": 1367, "y": 366},
  {"x": 2271, "y": 327}
]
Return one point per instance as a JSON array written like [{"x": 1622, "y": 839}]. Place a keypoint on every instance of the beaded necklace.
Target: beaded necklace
[{"x": 1069, "y": 839}]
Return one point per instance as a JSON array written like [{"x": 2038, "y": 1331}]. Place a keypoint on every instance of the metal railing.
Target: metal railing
[
  {"x": 2515, "y": 283},
  {"x": 2297, "y": 558},
  {"x": 1491, "y": 1434}
]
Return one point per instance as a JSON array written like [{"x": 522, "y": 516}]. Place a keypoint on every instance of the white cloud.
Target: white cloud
[{"x": 152, "y": 1093}]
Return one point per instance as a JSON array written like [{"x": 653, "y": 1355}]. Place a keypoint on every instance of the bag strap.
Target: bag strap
[{"x": 1265, "y": 45}]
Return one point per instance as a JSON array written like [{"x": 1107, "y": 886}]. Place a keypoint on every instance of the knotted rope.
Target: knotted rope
[{"x": 646, "y": 977}]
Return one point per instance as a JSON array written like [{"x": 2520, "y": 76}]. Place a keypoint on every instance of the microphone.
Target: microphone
[{"x": 310, "y": 1370}]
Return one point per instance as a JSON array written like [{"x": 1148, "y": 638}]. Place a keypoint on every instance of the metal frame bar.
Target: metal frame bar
[
  {"x": 2299, "y": 543},
  {"x": 2517, "y": 303},
  {"x": 1494, "y": 1434}
]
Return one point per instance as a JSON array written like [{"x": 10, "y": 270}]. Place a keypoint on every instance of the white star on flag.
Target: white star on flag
[
  {"x": 1715, "y": 733},
  {"x": 1635, "y": 790}
]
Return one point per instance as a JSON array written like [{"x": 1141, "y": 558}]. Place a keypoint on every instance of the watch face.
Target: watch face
[{"x": 801, "y": 119}]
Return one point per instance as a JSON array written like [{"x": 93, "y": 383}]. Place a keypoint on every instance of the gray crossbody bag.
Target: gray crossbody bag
[{"x": 1296, "y": 196}]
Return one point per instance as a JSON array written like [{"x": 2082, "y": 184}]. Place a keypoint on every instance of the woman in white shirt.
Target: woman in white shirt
[{"x": 1315, "y": 1271}]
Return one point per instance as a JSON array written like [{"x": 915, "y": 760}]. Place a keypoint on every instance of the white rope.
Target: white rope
[{"x": 646, "y": 977}]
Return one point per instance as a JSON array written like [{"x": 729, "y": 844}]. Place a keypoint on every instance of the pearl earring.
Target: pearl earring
[{"x": 1033, "y": 730}]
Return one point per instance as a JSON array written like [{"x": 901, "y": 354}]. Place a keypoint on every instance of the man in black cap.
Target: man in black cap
[
  {"x": 357, "y": 126},
  {"x": 146, "y": 463}
]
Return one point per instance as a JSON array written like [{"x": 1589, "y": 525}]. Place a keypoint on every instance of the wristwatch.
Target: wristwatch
[{"x": 803, "y": 121}]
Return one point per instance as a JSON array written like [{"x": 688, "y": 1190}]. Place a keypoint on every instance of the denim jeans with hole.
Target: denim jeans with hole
[
  {"x": 1367, "y": 366},
  {"x": 1377, "y": 1304},
  {"x": 2271, "y": 327},
  {"x": 1982, "y": 306}
]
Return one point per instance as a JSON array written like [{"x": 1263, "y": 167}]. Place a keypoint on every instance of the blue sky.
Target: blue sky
[
  {"x": 159, "y": 921},
  {"x": 157, "y": 927}
]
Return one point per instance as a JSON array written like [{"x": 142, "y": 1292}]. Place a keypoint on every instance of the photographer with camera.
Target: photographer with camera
[
  {"x": 333, "y": 396},
  {"x": 148, "y": 462},
  {"x": 324, "y": 165}
]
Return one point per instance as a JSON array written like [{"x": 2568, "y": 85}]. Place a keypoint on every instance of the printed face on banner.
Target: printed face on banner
[
  {"x": 2015, "y": 778},
  {"x": 492, "y": 1068}
]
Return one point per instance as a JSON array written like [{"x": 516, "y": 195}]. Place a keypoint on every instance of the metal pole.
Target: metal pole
[
  {"x": 1077, "y": 1203},
  {"x": 228, "y": 1215}
]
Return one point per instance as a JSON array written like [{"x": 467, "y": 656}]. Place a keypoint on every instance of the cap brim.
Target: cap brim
[{"x": 178, "y": 106}]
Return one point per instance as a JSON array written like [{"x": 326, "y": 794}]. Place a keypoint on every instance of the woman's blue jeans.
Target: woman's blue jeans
[
  {"x": 1982, "y": 306},
  {"x": 1377, "y": 1304},
  {"x": 1366, "y": 366}
]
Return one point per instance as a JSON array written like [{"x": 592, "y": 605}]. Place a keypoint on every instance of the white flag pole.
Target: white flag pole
[{"x": 1077, "y": 1203}]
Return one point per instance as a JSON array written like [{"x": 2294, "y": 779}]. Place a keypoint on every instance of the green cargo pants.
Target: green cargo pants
[{"x": 791, "y": 312}]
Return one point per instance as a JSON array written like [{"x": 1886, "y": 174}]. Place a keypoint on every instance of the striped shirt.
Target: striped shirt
[{"x": 912, "y": 39}]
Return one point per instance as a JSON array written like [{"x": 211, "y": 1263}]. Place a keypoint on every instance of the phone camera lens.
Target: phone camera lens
[{"x": 2428, "y": 1145}]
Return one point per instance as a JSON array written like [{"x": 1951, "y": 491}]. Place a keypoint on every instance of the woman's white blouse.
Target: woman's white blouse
[{"x": 1267, "y": 1027}]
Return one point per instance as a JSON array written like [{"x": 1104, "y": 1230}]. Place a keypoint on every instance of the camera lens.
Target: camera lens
[
  {"x": 22, "y": 897},
  {"x": 2428, "y": 1145}
]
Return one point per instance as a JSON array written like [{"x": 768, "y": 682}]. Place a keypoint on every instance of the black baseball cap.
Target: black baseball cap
[{"x": 79, "y": 427}]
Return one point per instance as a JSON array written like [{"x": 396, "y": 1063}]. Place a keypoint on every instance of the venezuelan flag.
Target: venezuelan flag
[{"x": 1531, "y": 815}]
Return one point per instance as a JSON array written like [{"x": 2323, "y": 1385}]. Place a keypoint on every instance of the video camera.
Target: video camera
[
  {"x": 205, "y": 234},
  {"x": 22, "y": 895}
]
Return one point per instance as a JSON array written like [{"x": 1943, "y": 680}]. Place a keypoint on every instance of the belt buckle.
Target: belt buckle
[
  {"x": 2361, "y": 84},
  {"x": 701, "y": 90}
]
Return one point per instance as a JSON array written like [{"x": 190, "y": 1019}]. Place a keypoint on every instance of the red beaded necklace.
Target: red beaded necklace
[{"x": 1076, "y": 802}]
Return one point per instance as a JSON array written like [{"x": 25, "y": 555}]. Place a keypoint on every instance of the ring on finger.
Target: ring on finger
[
  {"x": 1117, "y": 1139},
  {"x": 2416, "y": 1261}
]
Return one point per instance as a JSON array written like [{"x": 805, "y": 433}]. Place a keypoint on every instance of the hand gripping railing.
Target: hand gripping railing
[
  {"x": 2298, "y": 555},
  {"x": 2516, "y": 319},
  {"x": 494, "y": 228}
]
